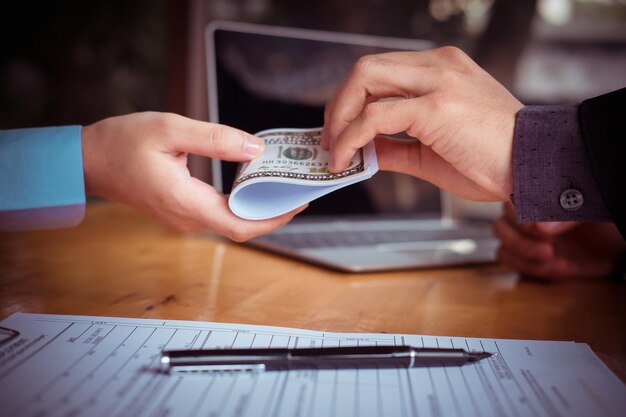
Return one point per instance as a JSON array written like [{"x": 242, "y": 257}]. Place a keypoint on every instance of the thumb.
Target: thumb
[
  {"x": 397, "y": 155},
  {"x": 420, "y": 161},
  {"x": 219, "y": 141}
]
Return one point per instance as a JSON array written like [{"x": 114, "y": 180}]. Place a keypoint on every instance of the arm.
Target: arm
[
  {"x": 41, "y": 178},
  {"x": 579, "y": 148},
  {"x": 552, "y": 178},
  {"x": 464, "y": 123},
  {"x": 587, "y": 143},
  {"x": 139, "y": 160}
]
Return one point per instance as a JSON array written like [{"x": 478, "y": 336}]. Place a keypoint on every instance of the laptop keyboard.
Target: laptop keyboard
[{"x": 353, "y": 238}]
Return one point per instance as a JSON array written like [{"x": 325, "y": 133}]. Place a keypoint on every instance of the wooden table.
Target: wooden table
[{"x": 122, "y": 263}]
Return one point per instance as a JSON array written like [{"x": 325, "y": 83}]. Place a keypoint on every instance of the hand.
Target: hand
[
  {"x": 462, "y": 118},
  {"x": 141, "y": 160},
  {"x": 558, "y": 250}
]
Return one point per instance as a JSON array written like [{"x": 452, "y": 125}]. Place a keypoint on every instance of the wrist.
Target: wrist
[
  {"x": 509, "y": 134},
  {"x": 87, "y": 138}
]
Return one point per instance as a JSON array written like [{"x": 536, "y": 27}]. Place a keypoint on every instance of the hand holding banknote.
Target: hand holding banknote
[
  {"x": 292, "y": 171},
  {"x": 461, "y": 117},
  {"x": 141, "y": 160}
]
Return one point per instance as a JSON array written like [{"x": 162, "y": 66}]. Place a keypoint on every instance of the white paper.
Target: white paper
[{"x": 104, "y": 366}]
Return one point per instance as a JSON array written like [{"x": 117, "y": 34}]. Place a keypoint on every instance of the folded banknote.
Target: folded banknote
[{"x": 292, "y": 171}]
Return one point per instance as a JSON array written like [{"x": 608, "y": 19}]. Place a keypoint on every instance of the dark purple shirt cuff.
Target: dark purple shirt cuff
[{"x": 549, "y": 159}]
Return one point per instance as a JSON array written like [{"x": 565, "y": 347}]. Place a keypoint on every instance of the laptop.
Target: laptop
[{"x": 262, "y": 77}]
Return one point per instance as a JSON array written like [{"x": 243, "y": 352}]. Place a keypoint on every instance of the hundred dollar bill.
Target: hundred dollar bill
[{"x": 292, "y": 171}]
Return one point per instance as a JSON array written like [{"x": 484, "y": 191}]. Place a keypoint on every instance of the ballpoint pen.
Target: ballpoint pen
[{"x": 273, "y": 359}]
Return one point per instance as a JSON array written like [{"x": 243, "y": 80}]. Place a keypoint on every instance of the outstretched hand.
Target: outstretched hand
[{"x": 141, "y": 160}]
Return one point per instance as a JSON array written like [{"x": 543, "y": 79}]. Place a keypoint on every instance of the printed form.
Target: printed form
[{"x": 107, "y": 366}]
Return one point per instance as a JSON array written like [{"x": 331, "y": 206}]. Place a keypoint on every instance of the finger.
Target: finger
[
  {"x": 404, "y": 74},
  {"x": 413, "y": 158},
  {"x": 545, "y": 230},
  {"x": 538, "y": 230},
  {"x": 325, "y": 132},
  {"x": 553, "y": 269},
  {"x": 555, "y": 228},
  {"x": 208, "y": 208},
  {"x": 374, "y": 76},
  {"x": 217, "y": 141},
  {"x": 235, "y": 228},
  {"x": 520, "y": 245},
  {"x": 328, "y": 112},
  {"x": 376, "y": 118}
]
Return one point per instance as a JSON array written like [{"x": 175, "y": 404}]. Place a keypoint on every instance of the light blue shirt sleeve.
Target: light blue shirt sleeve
[{"x": 41, "y": 178}]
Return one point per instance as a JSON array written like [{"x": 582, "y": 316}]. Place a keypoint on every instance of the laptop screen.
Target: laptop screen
[{"x": 263, "y": 77}]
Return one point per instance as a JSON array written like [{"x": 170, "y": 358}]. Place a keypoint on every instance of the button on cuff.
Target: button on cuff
[{"x": 571, "y": 199}]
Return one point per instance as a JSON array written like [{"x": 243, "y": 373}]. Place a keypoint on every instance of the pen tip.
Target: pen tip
[{"x": 476, "y": 356}]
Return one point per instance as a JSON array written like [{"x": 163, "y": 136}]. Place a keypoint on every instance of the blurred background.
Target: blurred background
[{"x": 76, "y": 61}]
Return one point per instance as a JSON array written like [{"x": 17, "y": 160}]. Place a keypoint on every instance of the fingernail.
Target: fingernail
[{"x": 253, "y": 146}]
